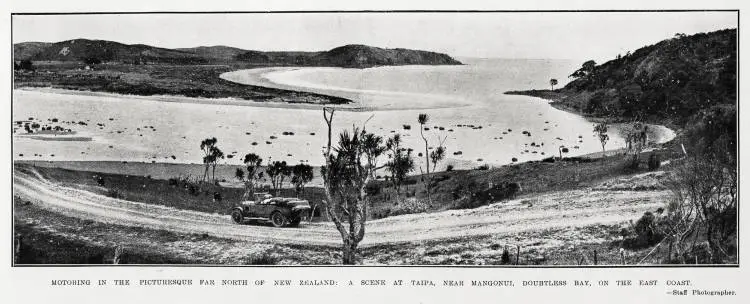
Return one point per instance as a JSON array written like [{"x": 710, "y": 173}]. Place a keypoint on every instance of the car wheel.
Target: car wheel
[
  {"x": 278, "y": 219},
  {"x": 237, "y": 216}
]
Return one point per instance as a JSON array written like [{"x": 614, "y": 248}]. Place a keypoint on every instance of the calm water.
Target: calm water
[{"x": 451, "y": 95}]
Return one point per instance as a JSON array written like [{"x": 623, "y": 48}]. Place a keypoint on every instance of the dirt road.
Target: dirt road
[{"x": 553, "y": 210}]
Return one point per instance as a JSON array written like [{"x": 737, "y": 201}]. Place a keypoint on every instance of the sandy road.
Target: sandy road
[{"x": 553, "y": 210}]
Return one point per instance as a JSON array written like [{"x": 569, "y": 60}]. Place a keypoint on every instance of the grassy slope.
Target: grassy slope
[
  {"x": 159, "y": 192},
  {"x": 539, "y": 247},
  {"x": 51, "y": 238},
  {"x": 451, "y": 190},
  {"x": 47, "y": 237}
]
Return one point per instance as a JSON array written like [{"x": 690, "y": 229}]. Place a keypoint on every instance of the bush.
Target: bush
[
  {"x": 654, "y": 162},
  {"x": 440, "y": 178},
  {"x": 646, "y": 232},
  {"x": 633, "y": 164},
  {"x": 409, "y": 181},
  {"x": 483, "y": 167},
  {"x": 263, "y": 259},
  {"x": 505, "y": 258},
  {"x": 386, "y": 212},
  {"x": 410, "y": 206},
  {"x": 449, "y": 168},
  {"x": 193, "y": 190},
  {"x": 372, "y": 189},
  {"x": 481, "y": 197},
  {"x": 114, "y": 193},
  {"x": 99, "y": 181}
]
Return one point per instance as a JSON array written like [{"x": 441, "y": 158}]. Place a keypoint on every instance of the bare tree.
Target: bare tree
[
  {"x": 400, "y": 162},
  {"x": 278, "y": 171},
  {"x": 216, "y": 156},
  {"x": 206, "y": 146},
  {"x": 253, "y": 164},
  {"x": 435, "y": 157},
  {"x": 349, "y": 168},
  {"x": 704, "y": 208},
  {"x": 636, "y": 138},
  {"x": 423, "y": 119},
  {"x": 600, "y": 130},
  {"x": 301, "y": 175}
]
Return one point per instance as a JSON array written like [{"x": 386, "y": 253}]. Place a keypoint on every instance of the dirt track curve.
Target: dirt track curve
[{"x": 552, "y": 210}]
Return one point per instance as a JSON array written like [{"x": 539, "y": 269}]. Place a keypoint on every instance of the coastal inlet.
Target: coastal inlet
[{"x": 465, "y": 103}]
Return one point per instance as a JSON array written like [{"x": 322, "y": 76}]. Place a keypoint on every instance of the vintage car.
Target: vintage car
[{"x": 280, "y": 211}]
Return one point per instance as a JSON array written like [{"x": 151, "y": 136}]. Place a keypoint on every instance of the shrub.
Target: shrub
[
  {"x": 646, "y": 232},
  {"x": 114, "y": 193},
  {"x": 441, "y": 178},
  {"x": 632, "y": 164},
  {"x": 654, "y": 162},
  {"x": 409, "y": 206},
  {"x": 193, "y": 190},
  {"x": 480, "y": 197},
  {"x": 382, "y": 214},
  {"x": 372, "y": 189},
  {"x": 99, "y": 181},
  {"x": 409, "y": 181},
  {"x": 449, "y": 168},
  {"x": 483, "y": 167},
  {"x": 505, "y": 258},
  {"x": 263, "y": 259}
]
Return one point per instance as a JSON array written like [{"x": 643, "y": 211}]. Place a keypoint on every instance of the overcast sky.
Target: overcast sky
[{"x": 577, "y": 36}]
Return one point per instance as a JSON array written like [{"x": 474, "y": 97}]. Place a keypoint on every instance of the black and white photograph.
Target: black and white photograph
[{"x": 482, "y": 139}]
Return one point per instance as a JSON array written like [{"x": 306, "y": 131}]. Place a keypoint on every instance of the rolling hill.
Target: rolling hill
[
  {"x": 352, "y": 56},
  {"x": 96, "y": 51}
]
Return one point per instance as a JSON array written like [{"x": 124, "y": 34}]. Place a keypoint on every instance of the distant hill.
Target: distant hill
[
  {"x": 26, "y": 50},
  {"x": 95, "y": 51},
  {"x": 354, "y": 56},
  {"x": 673, "y": 79},
  {"x": 219, "y": 52}
]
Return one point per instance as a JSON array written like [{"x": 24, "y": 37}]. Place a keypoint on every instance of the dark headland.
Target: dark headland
[{"x": 675, "y": 82}]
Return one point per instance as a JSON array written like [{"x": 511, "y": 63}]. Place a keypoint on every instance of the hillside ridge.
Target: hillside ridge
[
  {"x": 97, "y": 51},
  {"x": 674, "y": 79}
]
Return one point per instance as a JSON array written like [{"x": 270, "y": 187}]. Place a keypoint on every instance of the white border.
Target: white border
[{"x": 31, "y": 285}]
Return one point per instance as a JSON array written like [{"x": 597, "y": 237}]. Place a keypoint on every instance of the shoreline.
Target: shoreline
[
  {"x": 657, "y": 133},
  {"x": 191, "y": 100},
  {"x": 264, "y": 77},
  {"x": 660, "y": 134},
  {"x": 352, "y": 107}
]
